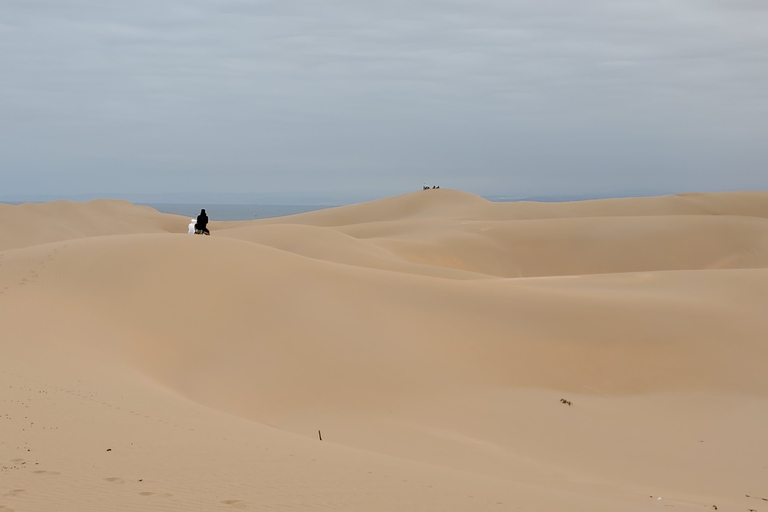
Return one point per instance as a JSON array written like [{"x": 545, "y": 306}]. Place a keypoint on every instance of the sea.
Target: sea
[
  {"x": 230, "y": 211},
  {"x": 234, "y": 211}
]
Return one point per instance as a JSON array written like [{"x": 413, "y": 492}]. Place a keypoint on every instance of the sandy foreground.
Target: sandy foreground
[{"x": 429, "y": 337}]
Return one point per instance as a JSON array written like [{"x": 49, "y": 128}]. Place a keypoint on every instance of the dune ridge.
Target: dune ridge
[{"x": 430, "y": 336}]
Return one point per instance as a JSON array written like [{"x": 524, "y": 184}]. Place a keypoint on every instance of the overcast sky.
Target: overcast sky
[{"x": 371, "y": 98}]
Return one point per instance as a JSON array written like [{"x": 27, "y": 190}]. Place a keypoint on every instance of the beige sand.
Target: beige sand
[{"x": 429, "y": 336}]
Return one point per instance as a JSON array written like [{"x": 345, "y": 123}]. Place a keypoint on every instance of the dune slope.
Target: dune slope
[{"x": 430, "y": 337}]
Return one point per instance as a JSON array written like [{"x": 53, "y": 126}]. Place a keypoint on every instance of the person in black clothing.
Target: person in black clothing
[{"x": 202, "y": 223}]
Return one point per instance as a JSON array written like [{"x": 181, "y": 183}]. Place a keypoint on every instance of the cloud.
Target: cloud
[{"x": 485, "y": 93}]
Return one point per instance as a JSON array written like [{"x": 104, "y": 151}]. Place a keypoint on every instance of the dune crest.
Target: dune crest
[{"x": 455, "y": 353}]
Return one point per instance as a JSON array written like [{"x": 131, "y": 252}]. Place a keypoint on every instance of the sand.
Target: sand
[{"x": 430, "y": 337}]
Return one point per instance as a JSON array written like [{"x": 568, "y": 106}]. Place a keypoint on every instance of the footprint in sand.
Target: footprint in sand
[
  {"x": 14, "y": 492},
  {"x": 5, "y": 509},
  {"x": 115, "y": 480},
  {"x": 42, "y": 472},
  {"x": 234, "y": 503}
]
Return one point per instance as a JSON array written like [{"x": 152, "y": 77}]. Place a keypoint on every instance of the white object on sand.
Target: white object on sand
[{"x": 192, "y": 227}]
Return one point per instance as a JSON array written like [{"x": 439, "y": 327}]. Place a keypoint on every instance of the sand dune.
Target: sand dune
[
  {"x": 33, "y": 223},
  {"x": 429, "y": 336}
]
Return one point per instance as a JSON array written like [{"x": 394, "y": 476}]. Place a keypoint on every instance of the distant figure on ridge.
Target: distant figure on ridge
[
  {"x": 202, "y": 223},
  {"x": 192, "y": 226}
]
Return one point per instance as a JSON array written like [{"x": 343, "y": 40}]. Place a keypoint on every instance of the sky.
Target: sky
[{"x": 321, "y": 99}]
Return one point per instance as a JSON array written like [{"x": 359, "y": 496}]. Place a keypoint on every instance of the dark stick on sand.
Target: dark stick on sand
[{"x": 319, "y": 435}]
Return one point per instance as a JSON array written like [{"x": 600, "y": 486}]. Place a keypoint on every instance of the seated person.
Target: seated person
[{"x": 202, "y": 223}]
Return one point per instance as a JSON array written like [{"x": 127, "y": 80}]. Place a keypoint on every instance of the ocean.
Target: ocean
[{"x": 234, "y": 211}]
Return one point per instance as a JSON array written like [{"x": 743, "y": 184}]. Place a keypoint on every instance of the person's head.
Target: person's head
[{"x": 202, "y": 212}]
